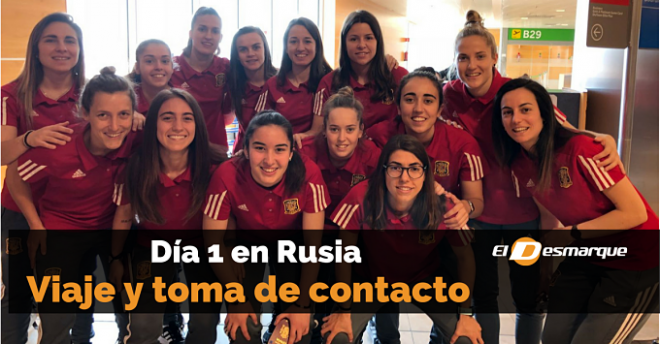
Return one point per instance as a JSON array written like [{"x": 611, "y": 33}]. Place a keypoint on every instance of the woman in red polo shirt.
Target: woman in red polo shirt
[
  {"x": 363, "y": 66},
  {"x": 202, "y": 73},
  {"x": 468, "y": 105},
  {"x": 75, "y": 177},
  {"x": 392, "y": 212},
  {"x": 291, "y": 91},
  {"x": 251, "y": 65},
  {"x": 345, "y": 159},
  {"x": 47, "y": 89},
  {"x": 165, "y": 186},
  {"x": 584, "y": 204},
  {"x": 152, "y": 71},
  {"x": 458, "y": 163},
  {"x": 276, "y": 190}
]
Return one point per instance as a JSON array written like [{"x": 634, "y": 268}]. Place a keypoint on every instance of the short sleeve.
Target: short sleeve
[
  {"x": 561, "y": 118},
  {"x": 317, "y": 197},
  {"x": 458, "y": 237},
  {"x": 474, "y": 165},
  {"x": 120, "y": 191},
  {"x": 379, "y": 133},
  {"x": 588, "y": 166},
  {"x": 349, "y": 212},
  {"x": 36, "y": 164},
  {"x": 10, "y": 109},
  {"x": 218, "y": 198},
  {"x": 265, "y": 100},
  {"x": 322, "y": 94}
]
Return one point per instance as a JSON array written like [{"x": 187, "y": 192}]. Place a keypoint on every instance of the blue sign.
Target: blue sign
[
  {"x": 650, "y": 3},
  {"x": 648, "y": 32}
]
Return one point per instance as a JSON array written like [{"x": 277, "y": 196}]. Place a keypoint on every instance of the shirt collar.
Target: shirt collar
[
  {"x": 168, "y": 182},
  {"x": 72, "y": 94},
  {"x": 391, "y": 218},
  {"x": 288, "y": 86},
  {"x": 189, "y": 72},
  {"x": 89, "y": 160},
  {"x": 355, "y": 85},
  {"x": 487, "y": 98}
]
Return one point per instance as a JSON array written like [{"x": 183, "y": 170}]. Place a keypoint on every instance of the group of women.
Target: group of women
[{"x": 366, "y": 146}]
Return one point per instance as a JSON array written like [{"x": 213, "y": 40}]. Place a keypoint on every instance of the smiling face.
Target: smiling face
[
  {"x": 420, "y": 105},
  {"x": 403, "y": 190},
  {"x": 110, "y": 117},
  {"x": 155, "y": 66},
  {"x": 59, "y": 48},
  {"x": 343, "y": 132},
  {"x": 300, "y": 46},
  {"x": 361, "y": 44},
  {"x": 206, "y": 34},
  {"x": 250, "y": 48},
  {"x": 475, "y": 63},
  {"x": 175, "y": 128},
  {"x": 521, "y": 117},
  {"x": 269, "y": 152}
]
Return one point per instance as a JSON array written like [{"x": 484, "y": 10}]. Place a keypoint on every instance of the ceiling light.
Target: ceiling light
[
  {"x": 524, "y": 18},
  {"x": 561, "y": 10},
  {"x": 564, "y": 24}
]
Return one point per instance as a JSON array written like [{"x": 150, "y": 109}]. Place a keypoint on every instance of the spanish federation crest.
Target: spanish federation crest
[
  {"x": 14, "y": 246},
  {"x": 220, "y": 80},
  {"x": 426, "y": 237},
  {"x": 291, "y": 206},
  {"x": 143, "y": 270},
  {"x": 441, "y": 168},
  {"x": 564, "y": 178},
  {"x": 357, "y": 178}
]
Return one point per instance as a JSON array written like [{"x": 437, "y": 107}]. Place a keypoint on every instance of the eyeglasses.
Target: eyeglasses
[{"x": 396, "y": 171}]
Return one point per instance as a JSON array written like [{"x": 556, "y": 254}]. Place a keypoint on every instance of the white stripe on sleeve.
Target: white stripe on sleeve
[
  {"x": 515, "y": 184},
  {"x": 348, "y": 218},
  {"x": 316, "y": 201},
  {"x": 4, "y": 110},
  {"x": 591, "y": 172},
  {"x": 219, "y": 205},
  {"x": 339, "y": 213},
  {"x": 469, "y": 159}
]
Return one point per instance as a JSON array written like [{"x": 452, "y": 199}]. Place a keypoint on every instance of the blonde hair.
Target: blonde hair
[
  {"x": 474, "y": 26},
  {"x": 33, "y": 73},
  {"x": 344, "y": 98}
]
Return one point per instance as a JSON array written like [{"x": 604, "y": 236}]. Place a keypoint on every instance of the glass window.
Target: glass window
[
  {"x": 283, "y": 12},
  {"x": 149, "y": 16}
]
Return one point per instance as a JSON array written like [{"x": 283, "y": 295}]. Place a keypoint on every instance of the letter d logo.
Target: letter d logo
[{"x": 525, "y": 251}]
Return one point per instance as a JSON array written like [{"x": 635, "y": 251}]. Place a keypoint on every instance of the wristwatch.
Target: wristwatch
[
  {"x": 465, "y": 311},
  {"x": 575, "y": 233},
  {"x": 471, "y": 206}
]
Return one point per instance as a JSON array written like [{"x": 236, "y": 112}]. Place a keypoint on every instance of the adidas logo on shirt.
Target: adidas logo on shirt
[
  {"x": 243, "y": 207},
  {"x": 610, "y": 300},
  {"x": 185, "y": 85},
  {"x": 78, "y": 174},
  {"x": 281, "y": 100},
  {"x": 34, "y": 113},
  {"x": 530, "y": 184}
]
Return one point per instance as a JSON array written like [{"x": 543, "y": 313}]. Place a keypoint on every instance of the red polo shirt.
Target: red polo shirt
[
  {"x": 248, "y": 104},
  {"x": 576, "y": 195},
  {"x": 143, "y": 104},
  {"x": 208, "y": 89},
  {"x": 45, "y": 112},
  {"x": 78, "y": 185},
  {"x": 233, "y": 191},
  {"x": 374, "y": 111},
  {"x": 474, "y": 115},
  {"x": 297, "y": 104},
  {"x": 340, "y": 180},
  {"x": 399, "y": 239},
  {"x": 175, "y": 197},
  {"x": 454, "y": 154}
]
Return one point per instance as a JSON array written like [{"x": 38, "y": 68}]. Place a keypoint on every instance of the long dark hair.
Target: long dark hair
[
  {"x": 237, "y": 78},
  {"x": 33, "y": 72},
  {"x": 427, "y": 210},
  {"x": 296, "y": 171},
  {"x": 133, "y": 76},
  {"x": 144, "y": 167},
  {"x": 319, "y": 67},
  {"x": 553, "y": 135},
  {"x": 380, "y": 77},
  {"x": 202, "y": 11}
]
